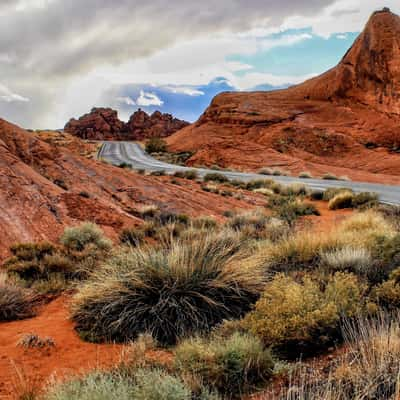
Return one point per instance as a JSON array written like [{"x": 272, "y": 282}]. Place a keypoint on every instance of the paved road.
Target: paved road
[{"x": 131, "y": 153}]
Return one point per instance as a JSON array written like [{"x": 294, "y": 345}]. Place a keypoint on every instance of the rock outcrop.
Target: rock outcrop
[
  {"x": 103, "y": 124},
  {"x": 142, "y": 126},
  {"x": 99, "y": 124},
  {"x": 46, "y": 187},
  {"x": 346, "y": 121}
]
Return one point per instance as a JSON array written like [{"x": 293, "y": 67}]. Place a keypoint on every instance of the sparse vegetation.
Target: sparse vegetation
[
  {"x": 15, "y": 303},
  {"x": 156, "y": 145},
  {"x": 172, "y": 293},
  {"x": 187, "y": 174},
  {"x": 296, "y": 317},
  {"x": 233, "y": 365},
  {"x": 215, "y": 177},
  {"x": 305, "y": 175}
]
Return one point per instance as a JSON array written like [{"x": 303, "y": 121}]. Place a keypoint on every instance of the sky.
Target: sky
[{"x": 60, "y": 58}]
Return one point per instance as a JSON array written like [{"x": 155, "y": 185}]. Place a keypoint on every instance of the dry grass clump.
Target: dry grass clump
[
  {"x": 291, "y": 210},
  {"x": 233, "y": 365},
  {"x": 368, "y": 370},
  {"x": 387, "y": 294},
  {"x": 187, "y": 174},
  {"x": 348, "y": 199},
  {"x": 296, "y": 317},
  {"x": 329, "y": 194},
  {"x": 33, "y": 341},
  {"x": 305, "y": 175},
  {"x": 353, "y": 259},
  {"x": 341, "y": 200},
  {"x": 15, "y": 303},
  {"x": 266, "y": 171},
  {"x": 215, "y": 177},
  {"x": 330, "y": 177},
  {"x": 171, "y": 293}
]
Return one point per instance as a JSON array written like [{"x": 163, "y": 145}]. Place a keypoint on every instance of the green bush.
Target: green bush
[
  {"x": 87, "y": 234},
  {"x": 233, "y": 365},
  {"x": 342, "y": 200},
  {"x": 187, "y": 174},
  {"x": 156, "y": 145},
  {"x": 292, "y": 210},
  {"x": 15, "y": 303},
  {"x": 304, "y": 317},
  {"x": 143, "y": 384},
  {"x": 132, "y": 236},
  {"x": 329, "y": 194},
  {"x": 33, "y": 262},
  {"x": 215, "y": 177},
  {"x": 316, "y": 195},
  {"x": 185, "y": 289},
  {"x": 387, "y": 293}
]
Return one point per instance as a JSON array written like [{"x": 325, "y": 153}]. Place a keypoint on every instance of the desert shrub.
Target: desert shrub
[
  {"x": 226, "y": 193},
  {"x": 265, "y": 171},
  {"x": 174, "y": 292},
  {"x": 259, "y": 184},
  {"x": 387, "y": 293},
  {"x": 330, "y": 177},
  {"x": 40, "y": 265},
  {"x": 87, "y": 234},
  {"x": 156, "y": 145},
  {"x": 210, "y": 188},
  {"x": 342, "y": 200},
  {"x": 369, "y": 368},
  {"x": 305, "y": 175},
  {"x": 149, "y": 211},
  {"x": 291, "y": 211},
  {"x": 330, "y": 193},
  {"x": 125, "y": 165},
  {"x": 215, "y": 177},
  {"x": 255, "y": 218},
  {"x": 61, "y": 183},
  {"x": 84, "y": 194},
  {"x": 316, "y": 195},
  {"x": 160, "y": 172},
  {"x": 347, "y": 199},
  {"x": 352, "y": 259},
  {"x": 392, "y": 213},
  {"x": 15, "y": 303},
  {"x": 264, "y": 191},
  {"x": 208, "y": 223},
  {"x": 85, "y": 246},
  {"x": 187, "y": 174},
  {"x": 232, "y": 365},
  {"x": 386, "y": 252},
  {"x": 166, "y": 218},
  {"x": 279, "y": 172},
  {"x": 31, "y": 341},
  {"x": 132, "y": 236},
  {"x": 295, "y": 189},
  {"x": 305, "y": 316},
  {"x": 365, "y": 200}
]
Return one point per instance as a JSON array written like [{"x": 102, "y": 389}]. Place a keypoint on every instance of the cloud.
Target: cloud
[
  {"x": 126, "y": 100},
  {"x": 188, "y": 91},
  {"x": 8, "y": 96},
  {"x": 63, "y": 55},
  {"x": 148, "y": 99}
]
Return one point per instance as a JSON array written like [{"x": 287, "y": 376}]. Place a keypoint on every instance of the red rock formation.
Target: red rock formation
[
  {"x": 142, "y": 126},
  {"x": 103, "y": 124},
  {"x": 41, "y": 187},
  {"x": 99, "y": 124},
  {"x": 346, "y": 121}
]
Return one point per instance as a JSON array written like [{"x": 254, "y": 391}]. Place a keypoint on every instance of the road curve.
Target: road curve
[{"x": 117, "y": 153}]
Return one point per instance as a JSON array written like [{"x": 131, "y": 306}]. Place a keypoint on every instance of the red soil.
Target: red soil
[
  {"x": 346, "y": 121},
  {"x": 69, "y": 356}
]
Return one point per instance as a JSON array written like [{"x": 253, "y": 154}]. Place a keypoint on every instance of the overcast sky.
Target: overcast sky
[{"x": 59, "y": 58}]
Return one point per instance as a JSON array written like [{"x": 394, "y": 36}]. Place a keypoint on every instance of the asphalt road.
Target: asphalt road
[{"x": 131, "y": 153}]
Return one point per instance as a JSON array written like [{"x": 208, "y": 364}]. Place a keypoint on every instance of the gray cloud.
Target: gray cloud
[{"x": 45, "y": 45}]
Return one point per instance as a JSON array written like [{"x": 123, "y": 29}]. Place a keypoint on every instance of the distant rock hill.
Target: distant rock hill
[
  {"x": 103, "y": 124},
  {"x": 345, "y": 121}
]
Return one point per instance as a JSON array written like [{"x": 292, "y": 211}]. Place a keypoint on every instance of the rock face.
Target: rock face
[
  {"x": 346, "y": 121},
  {"x": 103, "y": 124},
  {"x": 99, "y": 124},
  {"x": 142, "y": 126},
  {"x": 45, "y": 187}
]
